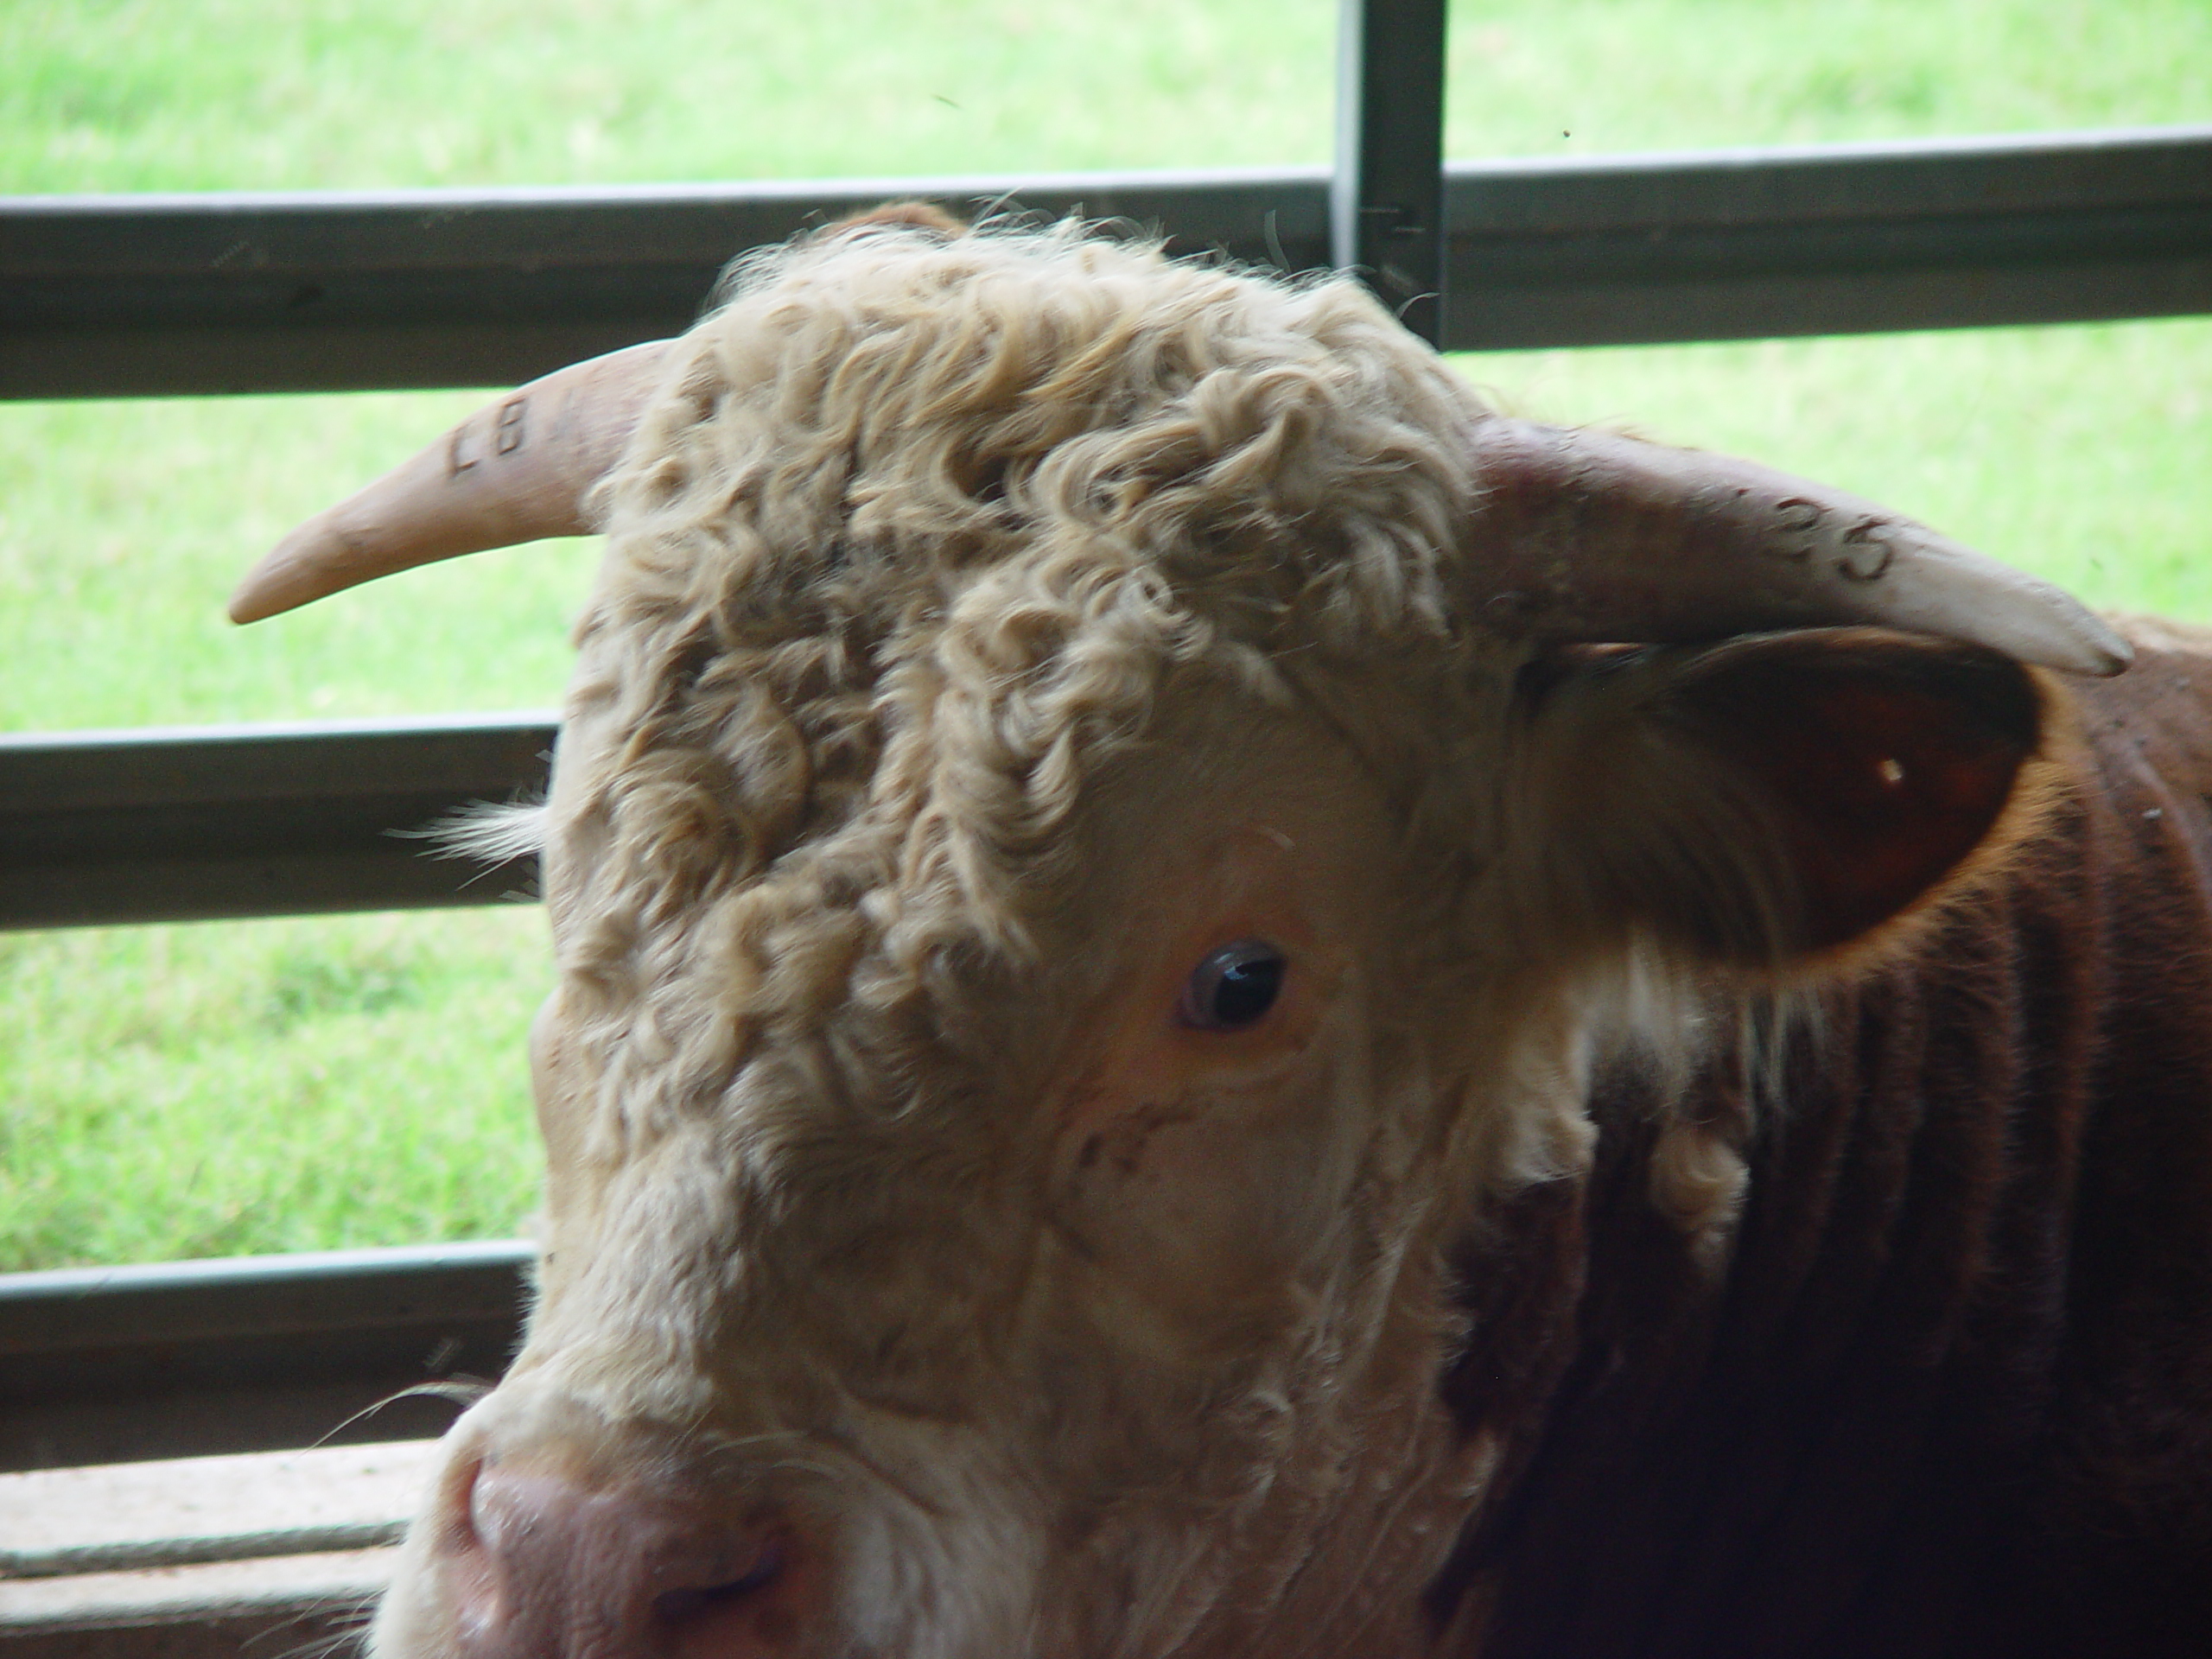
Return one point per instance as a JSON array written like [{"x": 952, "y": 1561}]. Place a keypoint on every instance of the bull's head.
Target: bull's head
[{"x": 1107, "y": 813}]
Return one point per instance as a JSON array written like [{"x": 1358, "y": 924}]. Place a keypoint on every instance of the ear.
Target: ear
[{"x": 1771, "y": 798}]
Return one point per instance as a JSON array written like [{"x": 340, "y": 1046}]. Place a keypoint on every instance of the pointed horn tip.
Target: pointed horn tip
[
  {"x": 249, "y": 605},
  {"x": 2065, "y": 637},
  {"x": 2104, "y": 653},
  {"x": 1989, "y": 603},
  {"x": 257, "y": 598},
  {"x": 2091, "y": 659},
  {"x": 389, "y": 524},
  {"x": 2009, "y": 610},
  {"x": 2070, "y": 637},
  {"x": 280, "y": 580}
]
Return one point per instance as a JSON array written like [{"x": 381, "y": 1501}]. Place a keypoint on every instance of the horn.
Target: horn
[
  {"x": 1584, "y": 536},
  {"x": 518, "y": 470}
]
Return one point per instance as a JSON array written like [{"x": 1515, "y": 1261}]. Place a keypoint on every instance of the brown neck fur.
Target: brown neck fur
[{"x": 1952, "y": 1393}]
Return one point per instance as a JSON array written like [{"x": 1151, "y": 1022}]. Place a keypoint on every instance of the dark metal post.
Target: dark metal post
[{"x": 1386, "y": 202}]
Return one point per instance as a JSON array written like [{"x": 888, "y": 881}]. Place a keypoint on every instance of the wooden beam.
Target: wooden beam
[{"x": 199, "y": 1556}]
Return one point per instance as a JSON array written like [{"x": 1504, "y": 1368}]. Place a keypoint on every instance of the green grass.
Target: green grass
[
  {"x": 308, "y": 1083},
  {"x": 311, "y": 1083},
  {"x": 122, "y": 526},
  {"x": 250, "y": 94},
  {"x": 1530, "y": 77}
]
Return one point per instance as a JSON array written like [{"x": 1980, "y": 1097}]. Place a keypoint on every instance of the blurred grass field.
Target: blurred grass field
[{"x": 324, "y": 1082}]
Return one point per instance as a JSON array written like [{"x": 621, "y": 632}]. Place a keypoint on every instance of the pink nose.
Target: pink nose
[{"x": 549, "y": 1569}]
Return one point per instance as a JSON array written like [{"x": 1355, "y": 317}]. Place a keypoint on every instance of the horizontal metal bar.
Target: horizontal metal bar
[
  {"x": 199, "y": 822},
  {"x": 115, "y": 295},
  {"x": 68, "y": 1309},
  {"x": 170, "y": 1512},
  {"x": 191, "y": 1358},
  {"x": 292, "y": 1605},
  {"x": 1832, "y": 239},
  {"x": 111, "y": 296}
]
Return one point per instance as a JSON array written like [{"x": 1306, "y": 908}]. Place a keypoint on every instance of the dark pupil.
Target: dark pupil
[{"x": 1246, "y": 990}]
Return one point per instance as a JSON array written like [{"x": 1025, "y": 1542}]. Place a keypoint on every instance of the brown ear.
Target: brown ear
[{"x": 1776, "y": 797}]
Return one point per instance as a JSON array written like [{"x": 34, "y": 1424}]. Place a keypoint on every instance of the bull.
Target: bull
[{"x": 1212, "y": 1001}]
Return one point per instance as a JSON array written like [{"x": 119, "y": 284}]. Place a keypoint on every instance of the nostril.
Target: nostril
[
  {"x": 682, "y": 1605},
  {"x": 458, "y": 1503},
  {"x": 467, "y": 1560},
  {"x": 540, "y": 1565}
]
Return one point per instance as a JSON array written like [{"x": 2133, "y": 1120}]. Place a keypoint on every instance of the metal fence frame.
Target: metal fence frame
[
  {"x": 161, "y": 295},
  {"x": 146, "y": 295}
]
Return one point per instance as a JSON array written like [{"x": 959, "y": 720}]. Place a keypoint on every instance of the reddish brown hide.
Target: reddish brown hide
[{"x": 1955, "y": 1394}]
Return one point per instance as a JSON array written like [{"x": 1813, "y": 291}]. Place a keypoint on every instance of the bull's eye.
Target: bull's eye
[{"x": 1233, "y": 988}]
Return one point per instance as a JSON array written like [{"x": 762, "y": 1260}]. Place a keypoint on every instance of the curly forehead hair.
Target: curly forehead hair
[{"x": 925, "y": 519}]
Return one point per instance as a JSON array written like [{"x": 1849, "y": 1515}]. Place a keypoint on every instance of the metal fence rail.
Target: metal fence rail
[
  {"x": 248, "y": 1355},
  {"x": 105, "y": 296},
  {"x": 199, "y": 822}
]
